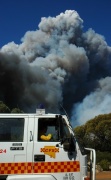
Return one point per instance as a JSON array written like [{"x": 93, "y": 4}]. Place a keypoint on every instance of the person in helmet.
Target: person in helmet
[{"x": 42, "y": 135}]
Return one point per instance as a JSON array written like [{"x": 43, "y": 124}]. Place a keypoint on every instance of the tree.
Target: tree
[
  {"x": 16, "y": 110},
  {"x": 4, "y": 108},
  {"x": 96, "y": 133}
]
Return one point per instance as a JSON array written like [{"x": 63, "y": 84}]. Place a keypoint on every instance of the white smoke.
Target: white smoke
[
  {"x": 57, "y": 63},
  {"x": 97, "y": 102}
]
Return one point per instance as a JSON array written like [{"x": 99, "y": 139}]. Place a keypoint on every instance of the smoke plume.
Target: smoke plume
[{"x": 57, "y": 64}]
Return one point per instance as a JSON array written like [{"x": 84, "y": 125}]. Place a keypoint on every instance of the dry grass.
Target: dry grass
[{"x": 105, "y": 175}]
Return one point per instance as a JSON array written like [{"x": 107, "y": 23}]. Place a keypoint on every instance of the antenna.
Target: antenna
[
  {"x": 64, "y": 111},
  {"x": 67, "y": 116}
]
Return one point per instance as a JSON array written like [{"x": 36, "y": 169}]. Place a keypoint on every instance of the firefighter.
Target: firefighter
[{"x": 42, "y": 133}]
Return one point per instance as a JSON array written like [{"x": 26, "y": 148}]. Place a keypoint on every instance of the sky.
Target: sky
[
  {"x": 57, "y": 53},
  {"x": 18, "y": 17}
]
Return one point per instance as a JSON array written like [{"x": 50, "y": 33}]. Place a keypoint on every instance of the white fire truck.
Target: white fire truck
[{"x": 25, "y": 156}]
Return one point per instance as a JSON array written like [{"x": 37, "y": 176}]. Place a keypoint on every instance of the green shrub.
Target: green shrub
[
  {"x": 104, "y": 164},
  {"x": 103, "y": 155}
]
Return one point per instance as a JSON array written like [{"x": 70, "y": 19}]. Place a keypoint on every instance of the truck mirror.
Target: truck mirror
[
  {"x": 69, "y": 146},
  {"x": 66, "y": 146}
]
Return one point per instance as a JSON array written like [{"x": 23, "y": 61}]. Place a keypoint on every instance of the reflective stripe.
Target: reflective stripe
[{"x": 39, "y": 167}]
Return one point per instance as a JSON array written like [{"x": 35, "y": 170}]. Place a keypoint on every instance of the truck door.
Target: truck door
[
  {"x": 49, "y": 154},
  {"x": 13, "y": 142}
]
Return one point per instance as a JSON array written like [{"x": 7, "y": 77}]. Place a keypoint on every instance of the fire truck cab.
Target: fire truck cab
[{"x": 57, "y": 156}]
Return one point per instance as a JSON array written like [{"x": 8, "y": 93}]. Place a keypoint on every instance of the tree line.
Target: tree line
[
  {"x": 96, "y": 133},
  {"x": 5, "y": 109}
]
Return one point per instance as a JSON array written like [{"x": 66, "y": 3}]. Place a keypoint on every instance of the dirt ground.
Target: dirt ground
[{"x": 105, "y": 175}]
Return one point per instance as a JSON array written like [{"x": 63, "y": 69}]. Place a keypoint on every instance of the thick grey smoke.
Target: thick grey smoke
[{"x": 57, "y": 64}]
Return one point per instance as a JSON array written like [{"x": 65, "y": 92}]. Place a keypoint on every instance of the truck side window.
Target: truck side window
[
  {"x": 11, "y": 129},
  {"x": 47, "y": 129}
]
